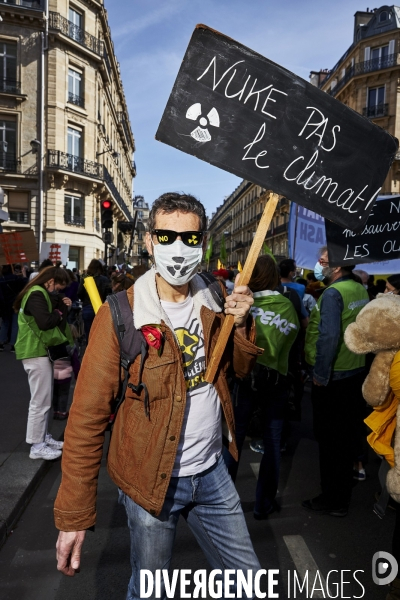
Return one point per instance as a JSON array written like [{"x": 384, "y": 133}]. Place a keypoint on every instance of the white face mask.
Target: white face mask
[{"x": 176, "y": 263}]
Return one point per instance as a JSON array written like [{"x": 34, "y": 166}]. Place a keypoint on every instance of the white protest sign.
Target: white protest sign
[{"x": 55, "y": 252}]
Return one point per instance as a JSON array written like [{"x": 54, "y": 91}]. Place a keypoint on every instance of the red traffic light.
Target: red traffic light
[{"x": 106, "y": 204}]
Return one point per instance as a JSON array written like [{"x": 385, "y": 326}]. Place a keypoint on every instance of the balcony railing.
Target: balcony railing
[
  {"x": 72, "y": 220},
  {"x": 57, "y": 21},
  {"x": 379, "y": 110},
  {"x": 77, "y": 100},
  {"x": 10, "y": 86},
  {"x": 106, "y": 59},
  {"x": 18, "y": 216},
  {"x": 33, "y": 4},
  {"x": 9, "y": 164},
  {"x": 125, "y": 126},
  {"x": 79, "y": 165},
  {"x": 279, "y": 229},
  {"x": 368, "y": 66}
]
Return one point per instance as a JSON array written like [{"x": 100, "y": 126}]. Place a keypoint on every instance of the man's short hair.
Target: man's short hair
[
  {"x": 172, "y": 202},
  {"x": 287, "y": 266}
]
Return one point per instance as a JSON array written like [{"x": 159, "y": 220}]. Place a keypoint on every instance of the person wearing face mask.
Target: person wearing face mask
[
  {"x": 393, "y": 285},
  {"x": 42, "y": 321},
  {"x": 165, "y": 452},
  {"x": 338, "y": 375}
]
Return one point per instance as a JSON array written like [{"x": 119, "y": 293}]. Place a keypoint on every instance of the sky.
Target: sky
[{"x": 150, "y": 39}]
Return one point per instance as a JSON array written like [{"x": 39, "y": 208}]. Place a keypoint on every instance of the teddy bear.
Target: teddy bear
[{"x": 377, "y": 330}]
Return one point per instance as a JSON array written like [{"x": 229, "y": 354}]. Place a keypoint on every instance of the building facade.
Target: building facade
[
  {"x": 66, "y": 142},
  {"x": 366, "y": 77},
  {"x": 139, "y": 253},
  {"x": 237, "y": 220}
]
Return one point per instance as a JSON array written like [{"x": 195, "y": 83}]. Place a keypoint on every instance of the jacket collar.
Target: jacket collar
[{"x": 147, "y": 309}]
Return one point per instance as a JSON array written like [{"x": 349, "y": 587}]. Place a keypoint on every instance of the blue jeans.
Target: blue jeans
[
  {"x": 272, "y": 396},
  {"x": 211, "y": 506},
  {"x": 7, "y": 322}
]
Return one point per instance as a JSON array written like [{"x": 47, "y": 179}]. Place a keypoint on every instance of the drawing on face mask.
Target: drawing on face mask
[{"x": 201, "y": 133}]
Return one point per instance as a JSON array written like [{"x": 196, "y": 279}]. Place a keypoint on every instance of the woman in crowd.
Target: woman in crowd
[
  {"x": 42, "y": 319},
  {"x": 277, "y": 326},
  {"x": 393, "y": 284},
  {"x": 95, "y": 270}
]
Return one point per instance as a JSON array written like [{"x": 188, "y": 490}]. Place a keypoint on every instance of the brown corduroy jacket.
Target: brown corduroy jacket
[{"x": 142, "y": 449}]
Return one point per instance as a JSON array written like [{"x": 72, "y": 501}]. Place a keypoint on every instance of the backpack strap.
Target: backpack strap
[
  {"x": 131, "y": 344},
  {"x": 214, "y": 287}
]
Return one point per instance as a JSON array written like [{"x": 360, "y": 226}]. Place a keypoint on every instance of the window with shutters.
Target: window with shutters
[{"x": 18, "y": 207}]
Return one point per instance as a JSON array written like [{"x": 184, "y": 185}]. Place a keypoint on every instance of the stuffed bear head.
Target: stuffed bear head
[
  {"x": 376, "y": 329},
  {"x": 377, "y": 326}
]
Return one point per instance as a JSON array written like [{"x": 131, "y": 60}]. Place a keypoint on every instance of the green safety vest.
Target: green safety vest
[
  {"x": 277, "y": 326},
  {"x": 32, "y": 341},
  {"x": 355, "y": 297}
]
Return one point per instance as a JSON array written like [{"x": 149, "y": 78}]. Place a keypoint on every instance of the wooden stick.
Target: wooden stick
[{"x": 244, "y": 279}]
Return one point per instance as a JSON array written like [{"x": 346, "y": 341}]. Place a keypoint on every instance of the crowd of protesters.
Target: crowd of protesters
[{"x": 296, "y": 335}]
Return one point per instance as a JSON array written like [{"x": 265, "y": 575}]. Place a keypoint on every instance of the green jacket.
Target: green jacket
[
  {"x": 354, "y": 297},
  {"x": 32, "y": 341},
  {"x": 277, "y": 326}
]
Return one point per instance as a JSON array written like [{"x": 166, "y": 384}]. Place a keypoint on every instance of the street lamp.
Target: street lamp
[
  {"x": 35, "y": 145},
  {"x": 113, "y": 154}
]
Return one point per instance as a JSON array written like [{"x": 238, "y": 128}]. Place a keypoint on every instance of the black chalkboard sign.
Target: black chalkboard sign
[
  {"x": 239, "y": 111},
  {"x": 378, "y": 241}
]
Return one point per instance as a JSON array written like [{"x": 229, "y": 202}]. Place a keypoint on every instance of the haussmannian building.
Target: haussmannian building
[
  {"x": 237, "y": 220},
  {"x": 66, "y": 141},
  {"x": 366, "y": 78}
]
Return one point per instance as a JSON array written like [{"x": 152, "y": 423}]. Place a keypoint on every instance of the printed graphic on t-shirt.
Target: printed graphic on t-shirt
[{"x": 191, "y": 343}]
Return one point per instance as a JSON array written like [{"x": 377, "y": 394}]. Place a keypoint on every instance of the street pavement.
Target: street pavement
[
  {"x": 19, "y": 475},
  {"x": 292, "y": 540}
]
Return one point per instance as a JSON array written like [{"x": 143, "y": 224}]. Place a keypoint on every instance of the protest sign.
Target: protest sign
[
  {"x": 307, "y": 235},
  {"x": 378, "y": 241},
  {"x": 55, "y": 252},
  {"x": 17, "y": 247},
  {"x": 243, "y": 113}
]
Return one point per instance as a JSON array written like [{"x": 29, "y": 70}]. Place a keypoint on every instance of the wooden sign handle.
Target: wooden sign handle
[{"x": 244, "y": 279}]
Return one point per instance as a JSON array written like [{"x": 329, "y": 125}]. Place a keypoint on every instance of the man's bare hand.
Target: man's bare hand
[
  {"x": 239, "y": 303},
  {"x": 69, "y": 549}
]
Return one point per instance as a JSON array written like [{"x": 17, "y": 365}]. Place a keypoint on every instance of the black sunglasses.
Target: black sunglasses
[{"x": 165, "y": 237}]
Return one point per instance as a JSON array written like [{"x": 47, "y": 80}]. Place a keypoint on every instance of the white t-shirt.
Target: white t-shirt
[{"x": 200, "y": 443}]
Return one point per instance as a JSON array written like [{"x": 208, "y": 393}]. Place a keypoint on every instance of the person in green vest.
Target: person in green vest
[
  {"x": 42, "y": 322},
  {"x": 277, "y": 326},
  {"x": 338, "y": 375}
]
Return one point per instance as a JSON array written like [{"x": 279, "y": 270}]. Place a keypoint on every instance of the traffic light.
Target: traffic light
[{"x": 106, "y": 214}]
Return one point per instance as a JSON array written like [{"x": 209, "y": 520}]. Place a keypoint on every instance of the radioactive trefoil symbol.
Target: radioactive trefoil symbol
[{"x": 201, "y": 133}]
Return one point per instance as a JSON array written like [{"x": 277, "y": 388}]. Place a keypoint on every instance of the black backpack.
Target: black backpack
[{"x": 132, "y": 342}]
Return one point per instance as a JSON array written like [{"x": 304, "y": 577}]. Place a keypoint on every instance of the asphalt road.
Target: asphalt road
[{"x": 292, "y": 540}]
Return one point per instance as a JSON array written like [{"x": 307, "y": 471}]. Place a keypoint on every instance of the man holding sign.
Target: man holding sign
[
  {"x": 338, "y": 375},
  {"x": 165, "y": 451}
]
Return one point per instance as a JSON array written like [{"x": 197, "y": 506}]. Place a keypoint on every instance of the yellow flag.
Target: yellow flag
[
  {"x": 240, "y": 268},
  {"x": 219, "y": 265}
]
